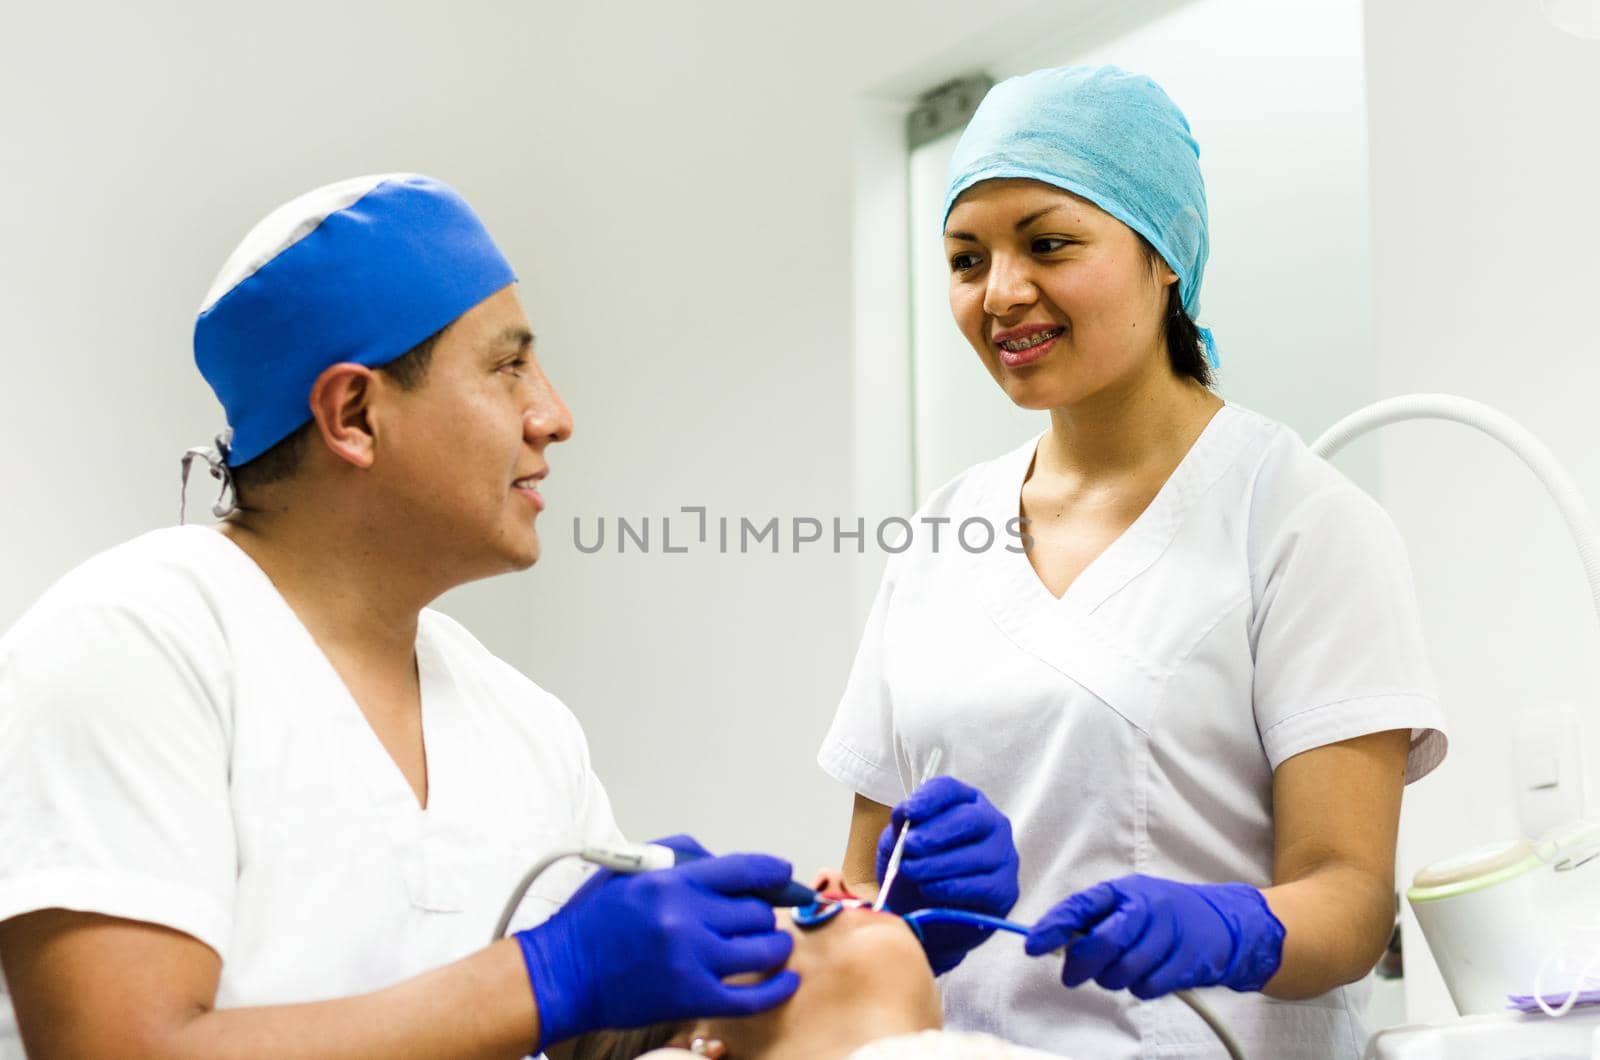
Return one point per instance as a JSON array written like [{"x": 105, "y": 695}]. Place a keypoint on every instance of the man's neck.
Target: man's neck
[{"x": 348, "y": 593}]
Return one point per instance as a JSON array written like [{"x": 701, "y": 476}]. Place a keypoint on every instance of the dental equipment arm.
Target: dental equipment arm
[{"x": 1503, "y": 429}]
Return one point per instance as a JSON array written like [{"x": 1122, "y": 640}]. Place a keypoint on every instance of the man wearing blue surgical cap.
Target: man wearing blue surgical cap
[
  {"x": 1199, "y": 694},
  {"x": 256, "y": 800}
]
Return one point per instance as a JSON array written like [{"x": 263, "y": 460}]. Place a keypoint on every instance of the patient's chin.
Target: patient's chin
[
  {"x": 863, "y": 976},
  {"x": 880, "y": 949}
]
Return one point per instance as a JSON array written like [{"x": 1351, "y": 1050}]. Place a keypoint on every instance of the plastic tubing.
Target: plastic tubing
[
  {"x": 919, "y": 917},
  {"x": 1503, "y": 429}
]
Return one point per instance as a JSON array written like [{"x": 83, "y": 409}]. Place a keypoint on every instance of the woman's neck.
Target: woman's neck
[{"x": 1127, "y": 432}]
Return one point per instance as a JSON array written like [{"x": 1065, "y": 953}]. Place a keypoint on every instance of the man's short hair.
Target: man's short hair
[{"x": 409, "y": 371}]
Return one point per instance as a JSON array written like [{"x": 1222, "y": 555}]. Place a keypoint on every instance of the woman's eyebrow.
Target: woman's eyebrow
[
  {"x": 968, "y": 237},
  {"x": 1035, "y": 215}
]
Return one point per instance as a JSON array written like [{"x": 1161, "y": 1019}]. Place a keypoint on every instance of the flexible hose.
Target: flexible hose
[
  {"x": 1210, "y": 1019},
  {"x": 1503, "y": 429},
  {"x": 538, "y": 869},
  {"x": 916, "y": 918}
]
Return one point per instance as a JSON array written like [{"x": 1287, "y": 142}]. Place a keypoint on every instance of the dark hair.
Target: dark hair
[
  {"x": 623, "y": 1044},
  {"x": 1184, "y": 348},
  {"x": 409, "y": 371}
]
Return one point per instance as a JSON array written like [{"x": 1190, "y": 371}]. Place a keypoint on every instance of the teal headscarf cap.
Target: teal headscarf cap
[{"x": 1106, "y": 135}]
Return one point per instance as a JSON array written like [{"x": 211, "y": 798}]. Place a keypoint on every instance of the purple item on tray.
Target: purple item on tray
[{"x": 1529, "y": 1003}]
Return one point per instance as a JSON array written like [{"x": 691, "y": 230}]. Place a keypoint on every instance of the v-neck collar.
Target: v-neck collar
[
  {"x": 1065, "y": 633},
  {"x": 1135, "y": 549},
  {"x": 392, "y": 794}
]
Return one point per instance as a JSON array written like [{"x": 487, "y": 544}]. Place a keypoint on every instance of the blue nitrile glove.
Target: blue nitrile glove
[
  {"x": 627, "y": 951},
  {"x": 1153, "y": 936},
  {"x": 959, "y": 855}
]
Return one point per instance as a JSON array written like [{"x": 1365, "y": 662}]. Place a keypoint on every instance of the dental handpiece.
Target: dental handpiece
[
  {"x": 630, "y": 859},
  {"x": 646, "y": 857}
]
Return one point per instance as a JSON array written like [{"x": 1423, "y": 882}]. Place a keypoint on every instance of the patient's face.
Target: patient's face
[{"x": 863, "y": 976}]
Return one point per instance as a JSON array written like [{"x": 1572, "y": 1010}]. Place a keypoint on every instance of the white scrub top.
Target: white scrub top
[
  {"x": 175, "y": 748},
  {"x": 1260, "y": 607}
]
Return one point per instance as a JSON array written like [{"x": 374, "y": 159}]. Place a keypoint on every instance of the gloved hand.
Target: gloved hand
[
  {"x": 1153, "y": 936},
  {"x": 627, "y": 951},
  {"x": 959, "y": 855}
]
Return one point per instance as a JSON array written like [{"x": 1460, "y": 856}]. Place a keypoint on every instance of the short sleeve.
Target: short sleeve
[
  {"x": 596, "y": 823},
  {"x": 113, "y": 773},
  {"x": 859, "y": 750},
  {"x": 1337, "y": 635},
  {"x": 592, "y": 821}
]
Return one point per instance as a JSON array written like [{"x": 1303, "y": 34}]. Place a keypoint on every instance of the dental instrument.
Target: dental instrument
[
  {"x": 935, "y": 758},
  {"x": 894, "y": 867},
  {"x": 630, "y": 859}
]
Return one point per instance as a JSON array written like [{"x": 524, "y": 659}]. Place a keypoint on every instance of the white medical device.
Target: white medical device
[{"x": 1494, "y": 915}]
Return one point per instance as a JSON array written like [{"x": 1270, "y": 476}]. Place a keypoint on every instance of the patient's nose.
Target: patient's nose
[{"x": 831, "y": 883}]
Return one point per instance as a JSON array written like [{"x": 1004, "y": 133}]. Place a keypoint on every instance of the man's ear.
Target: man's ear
[{"x": 341, "y": 405}]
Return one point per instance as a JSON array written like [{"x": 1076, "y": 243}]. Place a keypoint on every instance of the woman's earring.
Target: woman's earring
[{"x": 707, "y": 1047}]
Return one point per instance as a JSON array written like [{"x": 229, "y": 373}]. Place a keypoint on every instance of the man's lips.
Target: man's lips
[{"x": 527, "y": 487}]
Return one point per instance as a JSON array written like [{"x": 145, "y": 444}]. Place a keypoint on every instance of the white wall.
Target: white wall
[
  {"x": 673, "y": 183},
  {"x": 1485, "y": 224}
]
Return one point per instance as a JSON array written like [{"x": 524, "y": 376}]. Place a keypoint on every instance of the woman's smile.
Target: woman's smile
[{"x": 1027, "y": 344}]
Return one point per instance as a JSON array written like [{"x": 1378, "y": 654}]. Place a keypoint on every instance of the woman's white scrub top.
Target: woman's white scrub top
[
  {"x": 1261, "y": 606},
  {"x": 175, "y": 748}
]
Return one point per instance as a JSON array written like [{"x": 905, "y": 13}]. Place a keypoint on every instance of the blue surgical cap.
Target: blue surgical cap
[
  {"x": 1108, "y": 136},
  {"x": 359, "y": 271}
]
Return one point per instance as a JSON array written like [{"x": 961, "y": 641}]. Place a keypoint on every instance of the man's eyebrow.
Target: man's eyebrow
[
  {"x": 519, "y": 338},
  {"x": 968, "y": 237}
]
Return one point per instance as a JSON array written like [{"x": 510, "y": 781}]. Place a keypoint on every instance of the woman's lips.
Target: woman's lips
[{"x": 1021, "y": 358}]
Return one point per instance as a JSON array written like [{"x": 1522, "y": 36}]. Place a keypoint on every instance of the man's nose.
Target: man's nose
[
  {"x": 548, "y": 419},
  {"x": 1010, "y": 286}
]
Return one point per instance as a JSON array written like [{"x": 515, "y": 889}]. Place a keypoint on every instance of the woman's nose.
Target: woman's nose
[{"x": 1009, "y": 286}]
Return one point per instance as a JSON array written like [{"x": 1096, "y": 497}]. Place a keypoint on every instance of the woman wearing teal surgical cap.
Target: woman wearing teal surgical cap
[{"x": 1199, "y": 693}]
